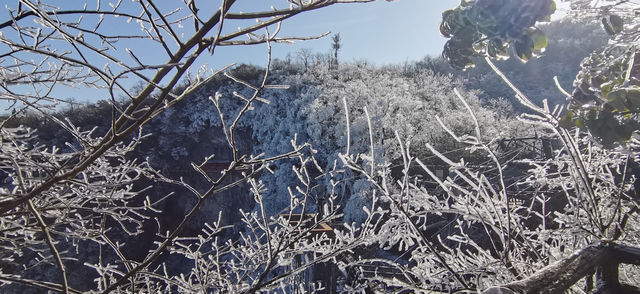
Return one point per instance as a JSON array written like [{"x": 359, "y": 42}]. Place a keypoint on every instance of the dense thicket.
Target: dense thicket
[
  {"x": 312, "y": 110},
  {"x": 421, "y": 173}
]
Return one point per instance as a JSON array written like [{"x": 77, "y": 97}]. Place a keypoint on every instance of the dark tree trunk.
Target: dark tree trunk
[{"x": 558, "y": 277}]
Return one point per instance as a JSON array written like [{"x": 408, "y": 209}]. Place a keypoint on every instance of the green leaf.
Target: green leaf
[
  {"x": 567, "y": 120},
  {"x": 605, "y": 88},
  {"x": 612, "y": 23},
  {"x": 447, "y": 26},
  {"x": 597, "y": 80},
  {"x": 546, "y": 17},
  {"x": 633, "y": 99},
  {"x": 524, "y": 48},
  {"x": 552, "y": 7},
  {"x": 617, "y": 99},
  {"x": 582, "y": 94},
  {"x": 531, "y": 44},
  {"x": 539, "y": 40},
  {"x": 479, "y": 47},
  {"x": 498, "y": 50},
  {"x": 456, "y": 56}
]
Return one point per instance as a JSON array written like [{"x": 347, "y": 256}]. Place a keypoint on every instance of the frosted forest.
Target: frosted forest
[{"x": 507, "y": 164}]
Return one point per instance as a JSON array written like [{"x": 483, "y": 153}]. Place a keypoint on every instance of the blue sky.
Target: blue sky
[{"x": 381, "y": 32}]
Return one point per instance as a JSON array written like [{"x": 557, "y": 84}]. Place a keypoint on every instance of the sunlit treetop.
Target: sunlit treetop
[{"x": 479, "y": 28}]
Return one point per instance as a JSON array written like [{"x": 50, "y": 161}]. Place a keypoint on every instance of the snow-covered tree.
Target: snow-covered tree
[
  {"x": 80, "y": 215},
  {"x": 325, "y": 169}
]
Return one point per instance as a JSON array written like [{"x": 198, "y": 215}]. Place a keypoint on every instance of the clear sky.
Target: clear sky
[{"x": 381, "y": 32}]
